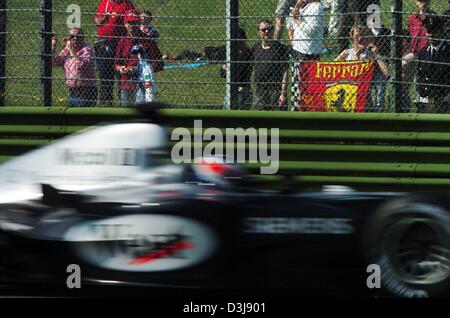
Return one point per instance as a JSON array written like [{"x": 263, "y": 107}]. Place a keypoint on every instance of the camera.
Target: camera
[{"x": 136, "y": 49}]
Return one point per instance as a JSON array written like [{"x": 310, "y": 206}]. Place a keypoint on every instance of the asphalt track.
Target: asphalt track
[
  {"x": 97, "y": 292},
  {"x": 89, "y": 289}
]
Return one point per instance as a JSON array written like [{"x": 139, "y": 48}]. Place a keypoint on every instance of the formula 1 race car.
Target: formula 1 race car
[{"x": 106, "y": 200}]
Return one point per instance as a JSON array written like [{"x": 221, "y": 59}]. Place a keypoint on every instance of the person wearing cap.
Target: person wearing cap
[
  {"x": 433, "y": 82},
  {"x": 78, "y": 61},
  {"x": 127, "y": 61},
  {"x": 110, "y": 28}
]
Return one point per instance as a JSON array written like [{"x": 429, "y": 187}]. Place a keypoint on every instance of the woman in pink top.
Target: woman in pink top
[{"x": 78, "y": 62}]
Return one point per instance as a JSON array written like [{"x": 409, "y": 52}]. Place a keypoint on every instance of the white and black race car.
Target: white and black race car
[{"x": 106, "y": 200}]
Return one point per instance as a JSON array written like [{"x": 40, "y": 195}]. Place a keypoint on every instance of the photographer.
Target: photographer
[
  {"x": 365, "y": 48},
  {"x": 77, "y": 59}
]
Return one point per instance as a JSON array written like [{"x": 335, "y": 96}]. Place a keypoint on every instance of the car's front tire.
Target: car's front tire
[{"x": 409, "y": 238}]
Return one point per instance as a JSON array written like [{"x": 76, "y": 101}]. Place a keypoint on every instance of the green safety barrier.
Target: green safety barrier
[{"x": 367, "y": 150}]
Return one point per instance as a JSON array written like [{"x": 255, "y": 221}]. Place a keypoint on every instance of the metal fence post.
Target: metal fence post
[
  {"x": 2, "y": 52},
  {"x": 396, "y": 45},
  {"x": 46, "y": 51},
  {"x": 232, "y": 48}
]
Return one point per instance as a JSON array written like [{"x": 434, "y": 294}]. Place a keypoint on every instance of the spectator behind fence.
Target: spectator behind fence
[
  {"x": 149, "y": 31},
  {"x": 271, "y": 63},
  {"x": 306, "y": 27},
  {"x": 354, "y": 12},
  {"x": 282, "y": 12},
  {"x": 381, "y": 40},
  {"x": 244, "y": 69},
  {"x": 417, "y": 30},
  {"x": 147, "y": 27},
  {"x": 127, "y": 61},
  {"x": 78, "y": 61},
  {"x": 433, "y": 81},
  {"x": 365, "y": 48},
  {"x": 416, "y": 37},
  {"x": 110, "y": 21},
  {"x": 306, "y": 30}
]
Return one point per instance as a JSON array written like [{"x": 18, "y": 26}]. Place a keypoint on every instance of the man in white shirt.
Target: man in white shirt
[{"x": 306, "y": 29}]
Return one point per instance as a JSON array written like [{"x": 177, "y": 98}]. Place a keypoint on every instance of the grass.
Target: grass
[{"x": 179, "y": 31}]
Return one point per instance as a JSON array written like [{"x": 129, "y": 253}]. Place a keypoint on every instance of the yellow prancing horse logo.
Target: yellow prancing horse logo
[{"x": 341, "y": 98}]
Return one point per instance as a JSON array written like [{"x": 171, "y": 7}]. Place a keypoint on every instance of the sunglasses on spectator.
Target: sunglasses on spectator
[{"x": 266, "y": 29}]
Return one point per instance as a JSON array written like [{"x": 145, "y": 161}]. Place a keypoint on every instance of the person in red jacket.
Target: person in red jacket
[
  {"x": 110, "y": 28},
  {"x": 127, "y": 62},
  {"x": 417, "y": 39}
]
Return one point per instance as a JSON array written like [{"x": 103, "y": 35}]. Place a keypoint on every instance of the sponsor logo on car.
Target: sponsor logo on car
[
  {"x": 260, "y": 225},
  {"x": 143, "y": 243},
  {"x": 112, "y": 157}
]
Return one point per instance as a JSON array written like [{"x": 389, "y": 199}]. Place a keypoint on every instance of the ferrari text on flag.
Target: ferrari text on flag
[{"x": 334, "y": 86}]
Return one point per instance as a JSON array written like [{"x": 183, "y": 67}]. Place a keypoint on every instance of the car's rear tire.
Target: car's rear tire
[{"x": 409, "y": 238}]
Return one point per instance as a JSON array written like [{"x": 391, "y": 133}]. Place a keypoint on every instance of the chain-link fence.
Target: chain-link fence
[
  {"x": 330, "y": 55},
  {"x": 425, "y": 57}
]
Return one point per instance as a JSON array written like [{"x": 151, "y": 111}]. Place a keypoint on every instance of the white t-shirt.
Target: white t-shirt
[
  {"x": 309, "y": 33},
  {"x": 352, "y": 55}
]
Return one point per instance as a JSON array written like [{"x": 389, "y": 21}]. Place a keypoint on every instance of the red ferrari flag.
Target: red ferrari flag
[{"x": 334, "y": 86}]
